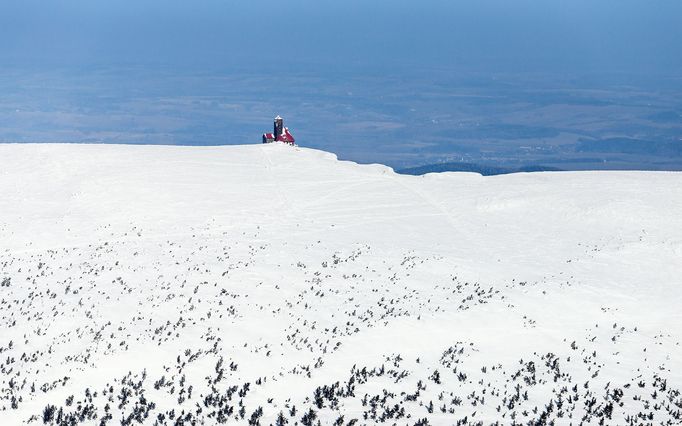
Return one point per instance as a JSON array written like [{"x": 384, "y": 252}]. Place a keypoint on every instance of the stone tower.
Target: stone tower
[{"x": 279, "y": 126}]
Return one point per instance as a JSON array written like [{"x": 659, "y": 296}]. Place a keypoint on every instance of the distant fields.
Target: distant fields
[{"x": 402, "y": 119}]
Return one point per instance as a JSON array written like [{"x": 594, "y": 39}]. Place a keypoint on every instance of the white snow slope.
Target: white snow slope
[{"x": 271, "y": 284}]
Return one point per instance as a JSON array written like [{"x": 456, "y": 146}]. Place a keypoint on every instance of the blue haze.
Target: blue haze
[{"x": 390, "y": 81}]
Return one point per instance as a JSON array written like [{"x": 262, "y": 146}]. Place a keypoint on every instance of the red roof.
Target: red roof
[
  {"x": 286, "y": 136},
  {"x": 269, "y": 135}
]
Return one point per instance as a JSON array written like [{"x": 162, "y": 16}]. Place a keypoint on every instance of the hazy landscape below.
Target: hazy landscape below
[
  {"x": 488, "y": 84},
  {"x": 402, "y": 118}
]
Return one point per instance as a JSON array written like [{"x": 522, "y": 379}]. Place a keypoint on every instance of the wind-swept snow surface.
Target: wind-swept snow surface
[{"x": 277, "y": 285}]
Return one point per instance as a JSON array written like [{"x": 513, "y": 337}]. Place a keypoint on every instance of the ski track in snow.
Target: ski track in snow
[{"x": 278, "y": 285}]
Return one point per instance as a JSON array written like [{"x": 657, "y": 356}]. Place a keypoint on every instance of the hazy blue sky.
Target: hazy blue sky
[
  {"x": 491, "y": 35},
  {"x": 571, "y": 84}
]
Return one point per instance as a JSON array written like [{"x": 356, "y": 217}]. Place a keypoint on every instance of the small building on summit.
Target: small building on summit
[{"x": 280, "y": 134}]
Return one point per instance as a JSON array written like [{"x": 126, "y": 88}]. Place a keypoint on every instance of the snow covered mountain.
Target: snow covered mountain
[{"x": 277, "y": 285}]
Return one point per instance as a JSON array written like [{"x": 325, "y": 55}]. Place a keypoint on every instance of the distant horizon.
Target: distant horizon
[
  {"x": 489, "y": 35},
  {"x": 569, "y": 85}
]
